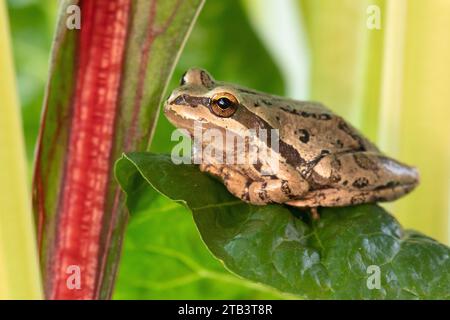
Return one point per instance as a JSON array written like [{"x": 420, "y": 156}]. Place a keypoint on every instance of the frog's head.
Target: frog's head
[{"x": 200, "y": 98}]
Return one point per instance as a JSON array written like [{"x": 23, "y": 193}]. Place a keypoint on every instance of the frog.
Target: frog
[{"x": 324, "y": 161}]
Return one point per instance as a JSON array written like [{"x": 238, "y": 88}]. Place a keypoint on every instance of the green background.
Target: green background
[{"x": 392, "y": 83}]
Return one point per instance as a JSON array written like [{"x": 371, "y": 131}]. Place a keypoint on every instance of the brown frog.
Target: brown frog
[{"x": 323, "y": 160}]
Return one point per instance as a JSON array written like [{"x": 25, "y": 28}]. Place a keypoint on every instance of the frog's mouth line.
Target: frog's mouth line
[{"x": 192, "y": 101}]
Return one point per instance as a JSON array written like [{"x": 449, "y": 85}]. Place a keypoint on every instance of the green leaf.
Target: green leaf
[
  {"x": 281, "y": 247},
  {"x": 164, "y": 266},
  {"x": 164, "y": 257}
]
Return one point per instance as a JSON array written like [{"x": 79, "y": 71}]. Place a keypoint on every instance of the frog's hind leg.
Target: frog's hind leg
[
  {"x": 340, "y": 198},
  {"x": 357, "y": 177}
]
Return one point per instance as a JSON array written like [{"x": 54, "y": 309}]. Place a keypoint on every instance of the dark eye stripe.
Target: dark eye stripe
[{"x": 192, "y": 101}]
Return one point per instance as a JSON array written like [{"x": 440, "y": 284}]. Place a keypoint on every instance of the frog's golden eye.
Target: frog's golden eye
[{"x": 224, "y": 104}]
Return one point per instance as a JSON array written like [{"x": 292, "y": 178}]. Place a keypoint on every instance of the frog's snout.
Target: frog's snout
[
  {"x": 167, "y": 103},
  {"x": 176, "y": 98},
  {"x": 170, "y": 99}
]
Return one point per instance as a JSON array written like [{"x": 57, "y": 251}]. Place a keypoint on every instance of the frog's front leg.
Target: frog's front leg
[
  {"x": 275, "y": 190},
  {"x": 215, "y": 170},
  {"x": 236, "y": 182},
  {"x": 258, "y": 192}
]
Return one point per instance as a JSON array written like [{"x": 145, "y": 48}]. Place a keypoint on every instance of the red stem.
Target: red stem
[{"x": 101, "y": 48}]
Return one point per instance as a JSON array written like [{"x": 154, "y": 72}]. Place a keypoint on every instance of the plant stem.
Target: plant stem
[{"x": 19, "y": 271}]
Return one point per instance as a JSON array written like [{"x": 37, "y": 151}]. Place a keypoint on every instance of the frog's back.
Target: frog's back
[{"x": 310, "y": 127}]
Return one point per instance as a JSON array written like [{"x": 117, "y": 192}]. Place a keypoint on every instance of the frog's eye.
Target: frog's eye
[{"x": 224, "y": 104}]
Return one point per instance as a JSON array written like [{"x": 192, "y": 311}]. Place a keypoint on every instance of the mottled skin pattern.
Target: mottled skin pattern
[{"x": 323, "y": 160}]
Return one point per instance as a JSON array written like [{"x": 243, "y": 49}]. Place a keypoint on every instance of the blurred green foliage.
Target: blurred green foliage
[
  {"x": 346, "y": 64},
  {"x": 32, "y": 27}
]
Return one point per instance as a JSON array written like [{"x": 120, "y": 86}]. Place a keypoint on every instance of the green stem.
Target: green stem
[{"x": 19, "y": 271}]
